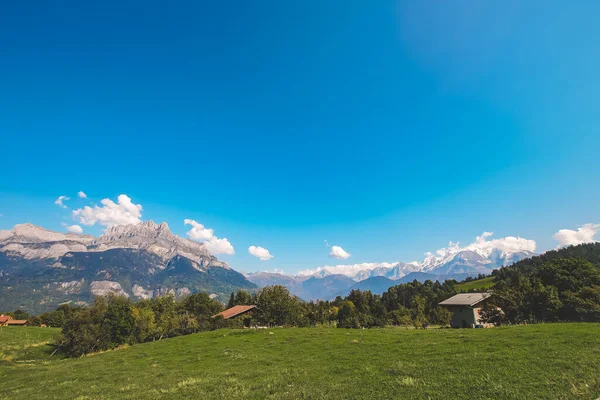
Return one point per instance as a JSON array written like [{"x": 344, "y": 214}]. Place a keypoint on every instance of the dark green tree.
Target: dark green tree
[
  {"x": 276, "y": 306},
  {"x": 243, "y": 298}
]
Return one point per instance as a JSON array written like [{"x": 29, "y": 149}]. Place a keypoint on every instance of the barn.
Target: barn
[
  {"x": 466, "y": 309},
  {"x": 237, "y": 312},
  {"x": 17, "y": 322},
  {"x": 4, "y": 319}
]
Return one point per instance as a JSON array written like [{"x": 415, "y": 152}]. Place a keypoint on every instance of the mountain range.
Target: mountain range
[
  {"x": 453, "y": 263},
  {"x": 40, "y": 269}
]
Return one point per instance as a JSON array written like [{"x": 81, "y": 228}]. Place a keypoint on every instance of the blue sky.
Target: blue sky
[{"x": 387, "y": 128}]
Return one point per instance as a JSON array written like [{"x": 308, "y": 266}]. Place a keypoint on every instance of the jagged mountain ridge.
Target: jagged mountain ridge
[
  {"x": 463, "y": 261},
  {"x": 40, "y": 268}
]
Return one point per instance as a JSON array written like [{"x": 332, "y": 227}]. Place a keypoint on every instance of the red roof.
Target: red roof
[
  {"x": 4, "y": 318},
  {"x": 234, "y": 311}
]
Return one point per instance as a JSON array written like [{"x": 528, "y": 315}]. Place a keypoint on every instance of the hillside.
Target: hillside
[
  {"x": 324, "y": 288},
  {"x": 495, "y": 363},
  {"x": 376, "y": 285},
  {"x": 589, "y": 252},
  {"x": 561, "y": 285},
  {"x": 477, "y": 284}
]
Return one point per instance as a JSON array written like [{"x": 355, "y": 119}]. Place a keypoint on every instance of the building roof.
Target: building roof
[
  {"x": 234, "y": 311},
  {"x": 4, "y": 318},
  {"x": 465, "y": 299},
  {"x": 17, "y": 322}
]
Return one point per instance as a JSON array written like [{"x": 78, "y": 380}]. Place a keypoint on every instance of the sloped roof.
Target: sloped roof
[
  {"x": 4, "y": 318},
  {"x": 17, "y": 322},
  {"x": 234, "y": 311},
  {"x": 465, "y": 299}
]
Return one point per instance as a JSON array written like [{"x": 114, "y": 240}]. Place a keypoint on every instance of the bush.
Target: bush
[{"x": 113, "y": 321}]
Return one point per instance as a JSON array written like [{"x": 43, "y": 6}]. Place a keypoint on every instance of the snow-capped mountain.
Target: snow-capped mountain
[
  {"x": 360, "y": 272},
  {"x": 481, "y": 256},
  {"x": 453, "y": 263},
  {"x": 472, "y": 260},
  {"x": 40, "y": 268}
]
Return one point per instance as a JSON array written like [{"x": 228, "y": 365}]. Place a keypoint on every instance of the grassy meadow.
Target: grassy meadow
[
  {"x": 551, "y": 361},
  {"x": 479, "y": 284},
  {"x": 20, "y": 345}
]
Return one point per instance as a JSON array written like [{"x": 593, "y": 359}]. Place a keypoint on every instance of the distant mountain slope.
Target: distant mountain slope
[
  {"x": 317, "y": 288},
  {"x": 472, "y": 260},
  {"x": 423, "y": 276},
  {"x": 456, "y": 265},
  {"x": 380, "y": 284},
  {"x": 40, "y": 268},
  {"x": 375, "y": 284},
  {"x": 262, "y": 279},
  {"x": 306, "y": 288}
]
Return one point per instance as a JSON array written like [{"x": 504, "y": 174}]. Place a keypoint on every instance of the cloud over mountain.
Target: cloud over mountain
[
  {"x": 73, "y": 228},
  {"x": 205, "y": 235},
  {"x": 584, "y": 234},
  {"x": 482, "y": 255},
  {"x": 123, "y": 212},
  {"x": 260, "y": 252},
  {"x": 339, "y": 253}
]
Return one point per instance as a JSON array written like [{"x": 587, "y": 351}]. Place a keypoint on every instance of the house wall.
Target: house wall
[{"x": 464, "y": 317}]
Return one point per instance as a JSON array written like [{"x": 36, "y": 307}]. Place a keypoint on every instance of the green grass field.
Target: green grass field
[
  {"x": 480, "y": 284},
  {"x": 551, "y": 361},
  {"x": 20, "y": 345}
]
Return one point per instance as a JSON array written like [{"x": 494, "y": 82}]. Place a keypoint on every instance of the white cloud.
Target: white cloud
[
  {"x": 339, "y": 253},
  {"x": 585, "y": 234},
  {"x": 1, "y": 215},
  {"x": 260, "y": 252},
  {"x": 59, "y": 201},
  {"x": 73, "y": 228},
  {"x": 213, "y": 244},
  {"x": 219, "y": 246},
  {"x": 509, "y": 244},
  {"x": 82, "y": 195},
  {"x": 121, "y": 213},
  {"x": 198, "y": 231}
]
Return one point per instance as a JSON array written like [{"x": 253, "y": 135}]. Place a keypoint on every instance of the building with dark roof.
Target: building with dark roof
[{"x": 466, "y": 309}]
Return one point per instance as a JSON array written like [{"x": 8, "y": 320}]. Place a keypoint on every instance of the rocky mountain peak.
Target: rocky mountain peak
[
  {"x": 29, "y": 233},
  {"x": 146, "y": 229},
  {"x": 34, "y": 242}
]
